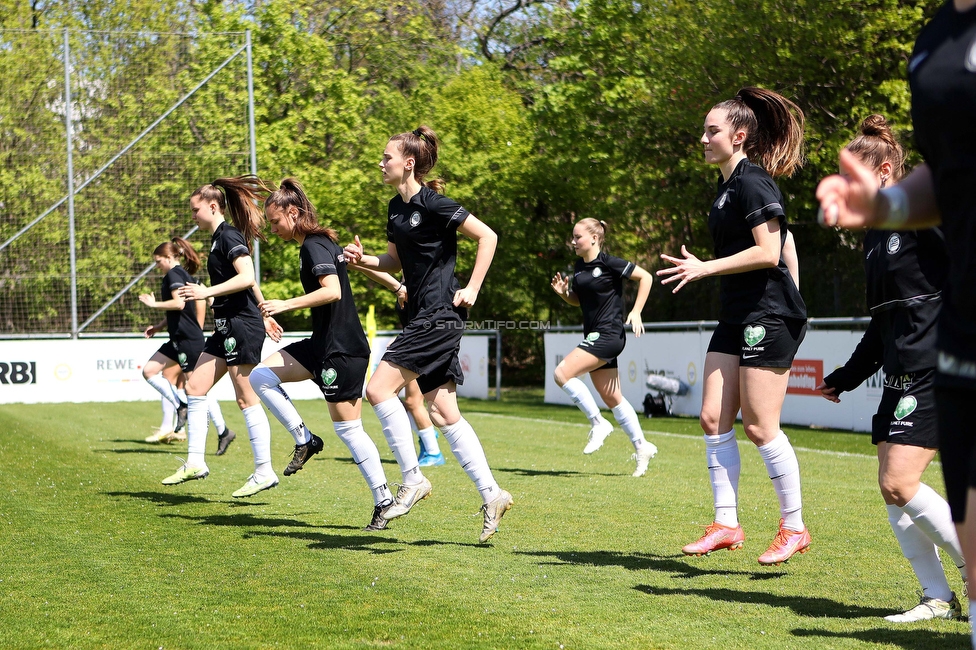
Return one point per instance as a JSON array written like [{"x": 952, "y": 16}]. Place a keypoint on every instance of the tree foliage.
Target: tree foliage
[{"x": 549, "y": 111}]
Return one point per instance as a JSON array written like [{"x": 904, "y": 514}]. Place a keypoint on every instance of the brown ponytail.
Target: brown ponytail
[
  {"x": 240, "y": 198},
  {"x": 291, "y": 193},
  {"x": 876, "y": 145},
  {"x": 773, "y": 126},
  {"x": 177, "y": 248},
  {"x": 421, "y": 145}
]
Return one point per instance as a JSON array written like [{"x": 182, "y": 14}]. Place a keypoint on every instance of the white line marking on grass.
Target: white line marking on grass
[{"x": 745, "y": 443}]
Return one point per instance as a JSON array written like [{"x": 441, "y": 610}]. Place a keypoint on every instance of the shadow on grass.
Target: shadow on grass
[
  {"x": 324, "y": 541},
  {"x": 162, "y": 498},
  {"x": 809, "y": 606},
  {"x": 148, "y": 449},
  {"x": 908, "y": 638},
  {"x": 242, "y": 519},
  {"x": 642, "y": 562},
  {"x": 350, "y": 461},
  {"x": 541, "y": 472}
]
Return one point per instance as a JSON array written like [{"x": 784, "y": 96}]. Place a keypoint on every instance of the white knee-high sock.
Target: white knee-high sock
[
  {"x": 216, "y": 415},
  {"x": 428, "y": 438},
  {"x": 166, "y": 389},
  {"x": 930, "y": 512},
  {"x": 366, "y": 456},
  {"x": 784, "y": 472},
  {"x": 396, "y": 429},
  {"x": 722, "y": 454},
  {"x": 268, "y": 387},
  {"x": 196, "y": 430},
  {"x": 470, "y": 455},
  {"x": 921, "y": 553},
  {"x": 259, "y": 431},
  {"x": 169, "y": 415},
  {"x": 581, "y": 396},
  {"x": 626, "y": 417}
]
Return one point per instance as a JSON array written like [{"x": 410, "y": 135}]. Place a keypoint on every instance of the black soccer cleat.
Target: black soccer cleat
[
  {"x": 378, "y": 522},
  {"x": 181, "y": 411},
  {"x": 302, "y": 453},
  {"x": 224, "y": 440}
]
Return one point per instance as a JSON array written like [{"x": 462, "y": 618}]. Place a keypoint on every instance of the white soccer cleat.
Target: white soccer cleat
[
  {"x": 598, "y": 433},
  {"x": 644, "y": 454},
  {"x": 928, "y": 609},
  {"x": 158, "y": 435},
  {"x": 406, "y": 498},
  {"x": 186, "y": 473},
  {"x": 253, "y": 486}
]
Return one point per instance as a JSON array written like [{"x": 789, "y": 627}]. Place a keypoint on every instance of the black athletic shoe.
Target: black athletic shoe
[
  {"x": 378, "y": 522},
  {"x": 224, "y": 440},
  {"x": 302, "y": 454},
  {"x": 180, "y": 417}
]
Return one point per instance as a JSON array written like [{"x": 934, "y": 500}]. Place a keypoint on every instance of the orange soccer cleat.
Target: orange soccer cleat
[
  {"x": 716, "y": 537},
  {"x": 786, "y": 544}
]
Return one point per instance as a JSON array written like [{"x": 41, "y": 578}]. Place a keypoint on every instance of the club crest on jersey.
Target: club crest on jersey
[
  {"x": 329, "y": 376},
  {"x": 592, "y": 336},
  {"x": 906, "y": 406},
  {"x": 181, "y": 357},
  {"x": 722, "y": 199},
  {"x": 753, "y": 334},
  {"x": 414, "y": 219},
  {"x": 597, "y": 272},
  {"x": 894, "y": 243},
  {"x": 230, "y": 343}
]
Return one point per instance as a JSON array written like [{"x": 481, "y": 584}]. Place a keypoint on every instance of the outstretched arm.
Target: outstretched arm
[
  {"x": 688, "y": 268},
  {"x": 853, "y": 198},
  {"x": 560, "y": 284}
]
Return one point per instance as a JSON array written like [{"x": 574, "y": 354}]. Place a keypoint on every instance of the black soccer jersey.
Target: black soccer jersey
[
  {"x": 748, "y": 199},
  {"x": 942, "y": 75},
  {"x": 424, "y": 231},
  {"x": 226, "y": 245},
  {"x": 182, "y": 324},
  {"x": 599, "y": 287},
  {"x": 906, "y": 270},
  {"x": 335, "y": 326}
]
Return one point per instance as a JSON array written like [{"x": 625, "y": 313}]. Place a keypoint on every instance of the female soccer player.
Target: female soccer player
[
  {"x": 422, "y": 241},
  {"x": 597, "y": 287},
  {"x": 184, "y": 322},
  {"x": 942, "y": 76},
  {"x": 905, "y": 274},
  {"x": 235, "y": 345},
  {"x": 762, "y": 319},
  {"x": 337, "y": 355}
]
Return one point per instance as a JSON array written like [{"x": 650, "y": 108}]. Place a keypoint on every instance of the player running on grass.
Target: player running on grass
[
  {"x": 235, "y": 346},
  {"x": 762, "y": 319},
  {"x": 184, "y": 323},
  {"x": 905, "y": 270},
  {"x": 337, "y": 354},
  {"x": 422, "y": 240},
  {"x": 597, "y": 288}
]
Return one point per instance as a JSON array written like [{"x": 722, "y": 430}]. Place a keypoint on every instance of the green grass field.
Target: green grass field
[{"x": 96, "y": 553}]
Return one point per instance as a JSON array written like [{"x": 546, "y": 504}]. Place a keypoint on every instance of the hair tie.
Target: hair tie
[{"x": 420, "y": 135}]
